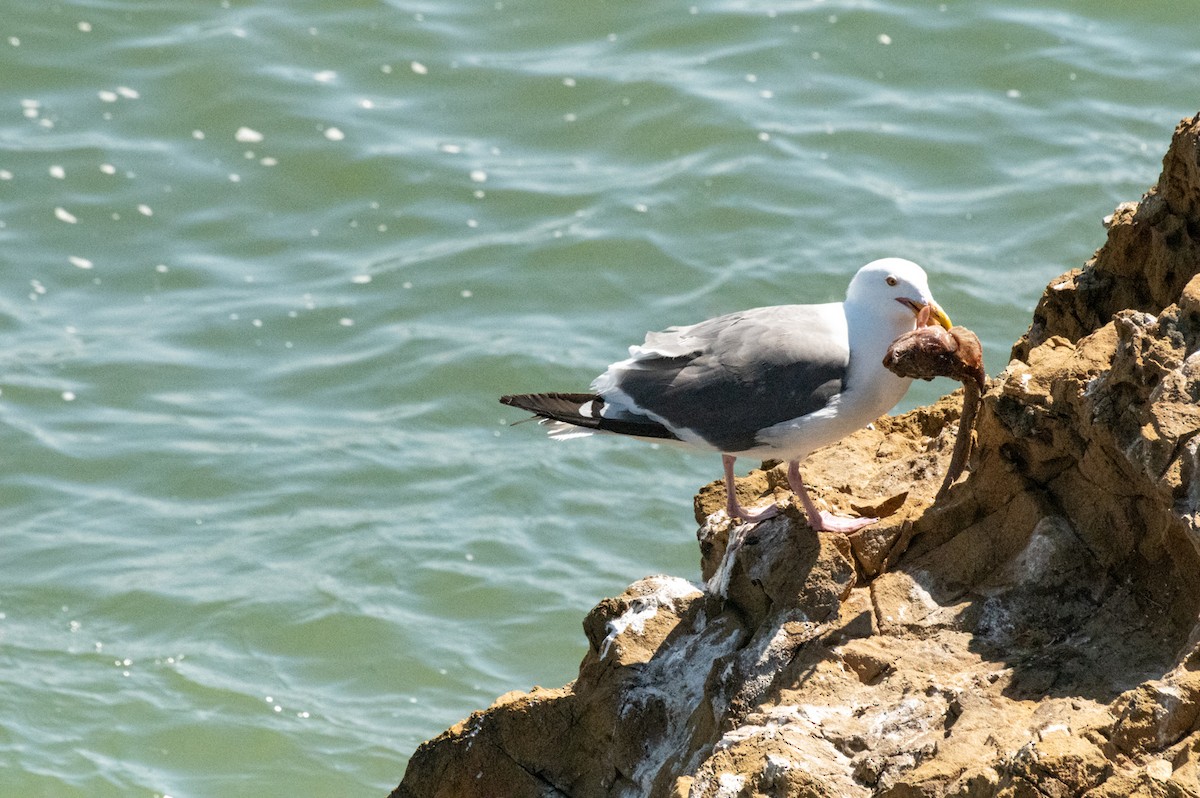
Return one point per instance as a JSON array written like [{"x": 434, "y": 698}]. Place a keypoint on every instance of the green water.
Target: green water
[{"x": 267, "y": 265}]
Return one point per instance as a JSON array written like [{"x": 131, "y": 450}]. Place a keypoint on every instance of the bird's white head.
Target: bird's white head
[{"x": 894, "y": 289}]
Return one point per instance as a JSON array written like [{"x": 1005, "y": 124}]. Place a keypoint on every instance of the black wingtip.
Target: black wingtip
[
  {"x": 568, "y": 407},
  {"x": 557, "y": 406}
]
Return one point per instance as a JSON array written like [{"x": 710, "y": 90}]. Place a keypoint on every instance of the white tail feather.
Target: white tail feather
[{"x": 562, "y": 431}]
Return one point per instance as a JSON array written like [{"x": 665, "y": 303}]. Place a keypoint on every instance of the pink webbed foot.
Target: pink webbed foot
[
  {"x": 733, "y": 508},
  {"x": 828, "y": 522},
  {"x": 820, "y": 520},
  {"x": 752, "y": 516}
]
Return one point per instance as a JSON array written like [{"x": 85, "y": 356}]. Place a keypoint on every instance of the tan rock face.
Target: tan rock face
[{"x": 1036, "y": 632}]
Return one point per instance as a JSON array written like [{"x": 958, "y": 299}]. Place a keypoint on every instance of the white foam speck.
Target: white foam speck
[
  {"x": 198, "y": 135},
  {"x": 466, "y": 294},
  {"x": 885, "y": 39},
  {"x": 1013, "y": 94},
  {"x": 479, "y": 176},
  {"x": 161, "y": 268},
  {"x": 361, "y": 279},
  {"x": 419, "y": 68},
  {"x": 80, "y": 263},
  {"x": 346, "y": 322},
  {"x": 14, "y": 41},
  {"x": 325, "y": 76},
  {"x": 84, "y": 26},
  {"x": 128, "y": 93},
  {"x": 63, "y": 215},
  {"x": 334, "y": 134},
  {"x": 107, "y": 96},
  {"x": 68, "y": 396},
  {"x": 450, "y": 149},
  {"x": 145, "y": 210},
  {"x": 108, "y": 169},
  {"x": 367, "y": 104},
  {"x": 269, "y": 161},
  {"x": 5, "y": 174},
  {"x": 57, "y": 172},
  {"x": 248, "y": 135}
]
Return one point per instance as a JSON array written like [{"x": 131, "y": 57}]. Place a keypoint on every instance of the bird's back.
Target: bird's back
[{"x": 719, "y": 382}]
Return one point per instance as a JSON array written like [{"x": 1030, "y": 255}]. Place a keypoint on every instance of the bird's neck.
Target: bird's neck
[{"x": 869, "y": 338}]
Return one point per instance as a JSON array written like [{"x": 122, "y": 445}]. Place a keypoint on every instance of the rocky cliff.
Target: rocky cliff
[{"x": 1035, "y": 632}]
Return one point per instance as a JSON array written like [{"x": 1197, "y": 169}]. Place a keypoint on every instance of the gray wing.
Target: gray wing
[{"x": 730, "y": 377}]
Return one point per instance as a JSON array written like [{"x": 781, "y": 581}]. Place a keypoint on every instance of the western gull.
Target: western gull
[{"x": 769, "y": 383}]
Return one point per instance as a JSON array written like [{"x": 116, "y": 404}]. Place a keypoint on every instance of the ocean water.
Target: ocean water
[{"x": 266, "y": 267}]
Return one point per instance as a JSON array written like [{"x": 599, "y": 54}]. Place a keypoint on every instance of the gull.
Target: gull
[{"x": 767, "y": 383}]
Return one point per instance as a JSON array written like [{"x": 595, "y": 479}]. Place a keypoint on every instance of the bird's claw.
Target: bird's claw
[{"x": 828, "y": 522}]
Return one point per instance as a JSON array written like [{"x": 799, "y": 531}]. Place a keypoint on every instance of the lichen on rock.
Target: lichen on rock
[{"x": 1034, "y": 632}]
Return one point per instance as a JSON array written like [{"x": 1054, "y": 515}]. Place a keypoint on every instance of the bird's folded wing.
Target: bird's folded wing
[{"x": 727, "y": 378}]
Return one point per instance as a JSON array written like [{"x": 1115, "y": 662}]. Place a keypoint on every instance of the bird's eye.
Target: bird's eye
[{"x": 891, "y": 280}]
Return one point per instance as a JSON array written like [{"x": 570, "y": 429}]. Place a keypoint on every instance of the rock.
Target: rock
[
  {"x": 1149, "y": 257},
  {"x": 1034, "y": 632}
]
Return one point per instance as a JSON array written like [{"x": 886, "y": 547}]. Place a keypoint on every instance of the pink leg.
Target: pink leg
[
  {"x": 732, "y": 507},
  {"x": 820, "y": 520}
]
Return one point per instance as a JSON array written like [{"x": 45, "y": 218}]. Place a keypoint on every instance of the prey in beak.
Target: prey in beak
[{"x": 927, "y": 313}]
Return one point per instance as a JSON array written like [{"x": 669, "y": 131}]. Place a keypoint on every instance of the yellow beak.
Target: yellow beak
[
  {"x": 935, "y": 312},
  {"x": 939, "y": 315}
]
